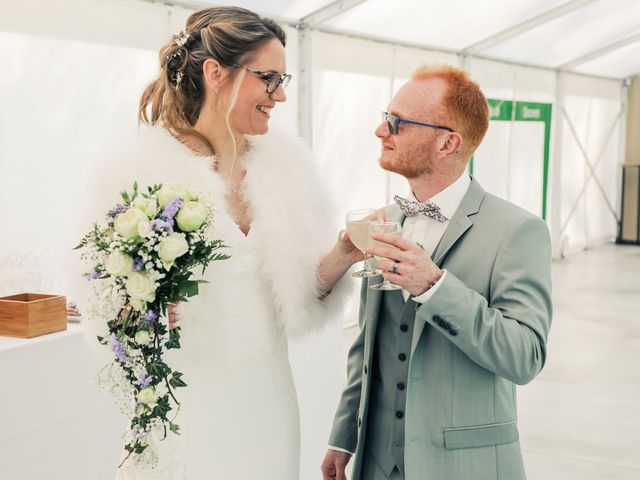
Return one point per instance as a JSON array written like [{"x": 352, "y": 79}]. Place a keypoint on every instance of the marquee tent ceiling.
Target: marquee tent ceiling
[{"x": 595, "y": 37}]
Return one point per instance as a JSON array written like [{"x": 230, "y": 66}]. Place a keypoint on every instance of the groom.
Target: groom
[{"x": 432, "y": 375}]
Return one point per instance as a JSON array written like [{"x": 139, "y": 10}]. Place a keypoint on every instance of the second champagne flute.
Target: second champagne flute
[{"x": 384, "y": 227}]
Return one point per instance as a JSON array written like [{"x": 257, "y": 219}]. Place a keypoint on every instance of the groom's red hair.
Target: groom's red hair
[{"x": 463, "y": 100}]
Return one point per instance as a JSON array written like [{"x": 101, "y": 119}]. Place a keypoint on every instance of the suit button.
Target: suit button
[
  {"x": 404, "y": 327},
  {"x": 399, "y": 414},
  {"x": 453, "y": 332},
  {"x": 365, "y": 369},
  {"x": 443, "y": 324},
  {"x": 401, "y": 386},
  {"x": 402, "y": 357},
  {"x": 436, "y": 318}
]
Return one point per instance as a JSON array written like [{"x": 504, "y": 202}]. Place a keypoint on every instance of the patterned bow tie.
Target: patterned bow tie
[{"x": 428, "y": 209}]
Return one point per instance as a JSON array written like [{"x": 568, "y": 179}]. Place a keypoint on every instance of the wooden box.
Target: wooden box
[{"x": 32, "y": 314}]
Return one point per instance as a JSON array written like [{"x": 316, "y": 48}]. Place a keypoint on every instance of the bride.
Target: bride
[{"x": 206, "y": 117}]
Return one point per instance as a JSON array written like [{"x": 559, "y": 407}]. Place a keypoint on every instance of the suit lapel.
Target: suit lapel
[{"x": 459, "y": 224}]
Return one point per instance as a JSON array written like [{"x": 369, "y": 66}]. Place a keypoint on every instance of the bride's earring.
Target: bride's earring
[{"x": 218, "y": 107}]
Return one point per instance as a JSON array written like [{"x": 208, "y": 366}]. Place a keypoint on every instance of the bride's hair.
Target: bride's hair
[{"x": 230, "y": 35}]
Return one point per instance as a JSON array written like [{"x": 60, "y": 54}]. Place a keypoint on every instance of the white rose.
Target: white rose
[
  {"x": 144, "y": 229},
  {"x": 170, "y": 191},
  {"x": 141, "y": 286},
  {"x": 152, "y": 208},
  {"x": 140, "y": 203},
  {"x": 147, "y": 395},
  {"x": 195, "y": 194},
  {"x": 142, "y": 337},
  {"x": 126, "y": 223},
  {"x": 137, "y": 304},
  {"x": 191, "y": 216},
  {"x": 172, "y": 247},
  {"x": 147, "y": 205},
  {"x": 119, "y": 264}
]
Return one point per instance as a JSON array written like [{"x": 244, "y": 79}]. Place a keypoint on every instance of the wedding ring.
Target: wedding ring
[{"x": 394, "y": 267}]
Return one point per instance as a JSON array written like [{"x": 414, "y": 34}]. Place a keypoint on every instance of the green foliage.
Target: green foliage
[
  {"x": 174, "y": 428},
  {"x": 176, "y": 380},
  {"x": 174, "y": 339},
  {"x": 158, "y": 369},
  {"x": 162, "y": 408}
]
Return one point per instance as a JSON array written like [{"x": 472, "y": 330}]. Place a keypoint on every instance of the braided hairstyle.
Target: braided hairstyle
[{"x": 230, "y": 35}]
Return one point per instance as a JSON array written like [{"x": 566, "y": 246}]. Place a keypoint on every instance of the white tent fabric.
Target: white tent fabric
[
  {"x": 74, "y": 70},
  {"x": 431, "y": 23},
  {"x": 592, "y": 117},
  {"x": 545, "y": 33}
]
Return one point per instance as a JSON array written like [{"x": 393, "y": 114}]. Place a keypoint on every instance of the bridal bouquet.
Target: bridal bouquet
[{"x": 143, "y": 256}]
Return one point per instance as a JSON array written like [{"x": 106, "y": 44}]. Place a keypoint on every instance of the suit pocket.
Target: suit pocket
[{"x": 480, "y": 435}]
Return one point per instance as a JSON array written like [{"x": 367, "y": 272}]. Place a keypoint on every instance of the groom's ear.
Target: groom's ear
[{"x": 452, "y": 144}]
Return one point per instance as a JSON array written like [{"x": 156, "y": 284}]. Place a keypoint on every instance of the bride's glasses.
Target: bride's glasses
[
  {"x": 384, "y": 227},
  {"x": 358, "y": 227},
  {"x": 271, "y": 79}
]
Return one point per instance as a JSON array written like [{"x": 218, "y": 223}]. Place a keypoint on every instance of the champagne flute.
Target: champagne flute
[
  {"x": 358, "y": 227},
  {"x": 384, "y": 227}
]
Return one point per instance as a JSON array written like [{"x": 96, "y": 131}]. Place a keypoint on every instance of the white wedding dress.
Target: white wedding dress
[{"x": 239, "y": 416}]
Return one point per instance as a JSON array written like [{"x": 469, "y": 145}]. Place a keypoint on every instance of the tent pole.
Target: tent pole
[{"x": 556, "y": 170}]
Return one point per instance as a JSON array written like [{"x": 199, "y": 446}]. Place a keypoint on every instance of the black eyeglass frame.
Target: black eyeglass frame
[
  {"x": 268, "y": 78},
  {"x": 394, "y": 122}
]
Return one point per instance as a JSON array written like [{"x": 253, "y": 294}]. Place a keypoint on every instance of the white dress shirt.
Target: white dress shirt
[{"x": 428, "y": 232}]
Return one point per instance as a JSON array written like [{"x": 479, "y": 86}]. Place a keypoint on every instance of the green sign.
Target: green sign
[
  {"x": 500, "y": 109},
  {"x": 507, "y": 110}
]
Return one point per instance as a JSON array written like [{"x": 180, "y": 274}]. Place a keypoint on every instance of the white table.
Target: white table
[{"x": 54, "y": 423}]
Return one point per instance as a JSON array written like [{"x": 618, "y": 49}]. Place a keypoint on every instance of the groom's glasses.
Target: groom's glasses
[{"x": 394, "y": 123}]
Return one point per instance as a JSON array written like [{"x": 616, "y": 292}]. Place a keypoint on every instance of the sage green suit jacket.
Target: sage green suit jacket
[{"x": 483, "y": 331}]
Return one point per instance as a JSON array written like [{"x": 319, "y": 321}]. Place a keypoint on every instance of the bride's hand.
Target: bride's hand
[
  {"x": 346, "y": 248},
  {"x": 344, "y": 254},
  {"x": 174, "y": 315}
]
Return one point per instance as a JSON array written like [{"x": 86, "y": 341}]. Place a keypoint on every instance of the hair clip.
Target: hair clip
[
  {"x": 183, "y": 39},
  {"x": 179, "y": 77}
]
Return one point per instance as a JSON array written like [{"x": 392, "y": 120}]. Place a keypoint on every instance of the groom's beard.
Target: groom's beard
[{"x": 410, "y": 164}]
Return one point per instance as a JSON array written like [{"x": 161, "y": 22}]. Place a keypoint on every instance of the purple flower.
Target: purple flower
[
  {"x": 159, "y": 224},
  {"x": 117, "y": 210},
  {"x": 151, "y": 316},
  {"x": 144, "y": 380},
  {"x": 93, "y": 275},
  {"x": 169, "y": 220},
  {"x": 172, "y": 208},
  {"x": 137, "y": 263},
  {"x": 118, "y": 349},
  {"x": 136, "y": 435}
]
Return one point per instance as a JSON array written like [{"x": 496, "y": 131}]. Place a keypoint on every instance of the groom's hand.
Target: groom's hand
[
  {"x": 334, "y": 464},
  {"x": 415, "y": 271}
]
